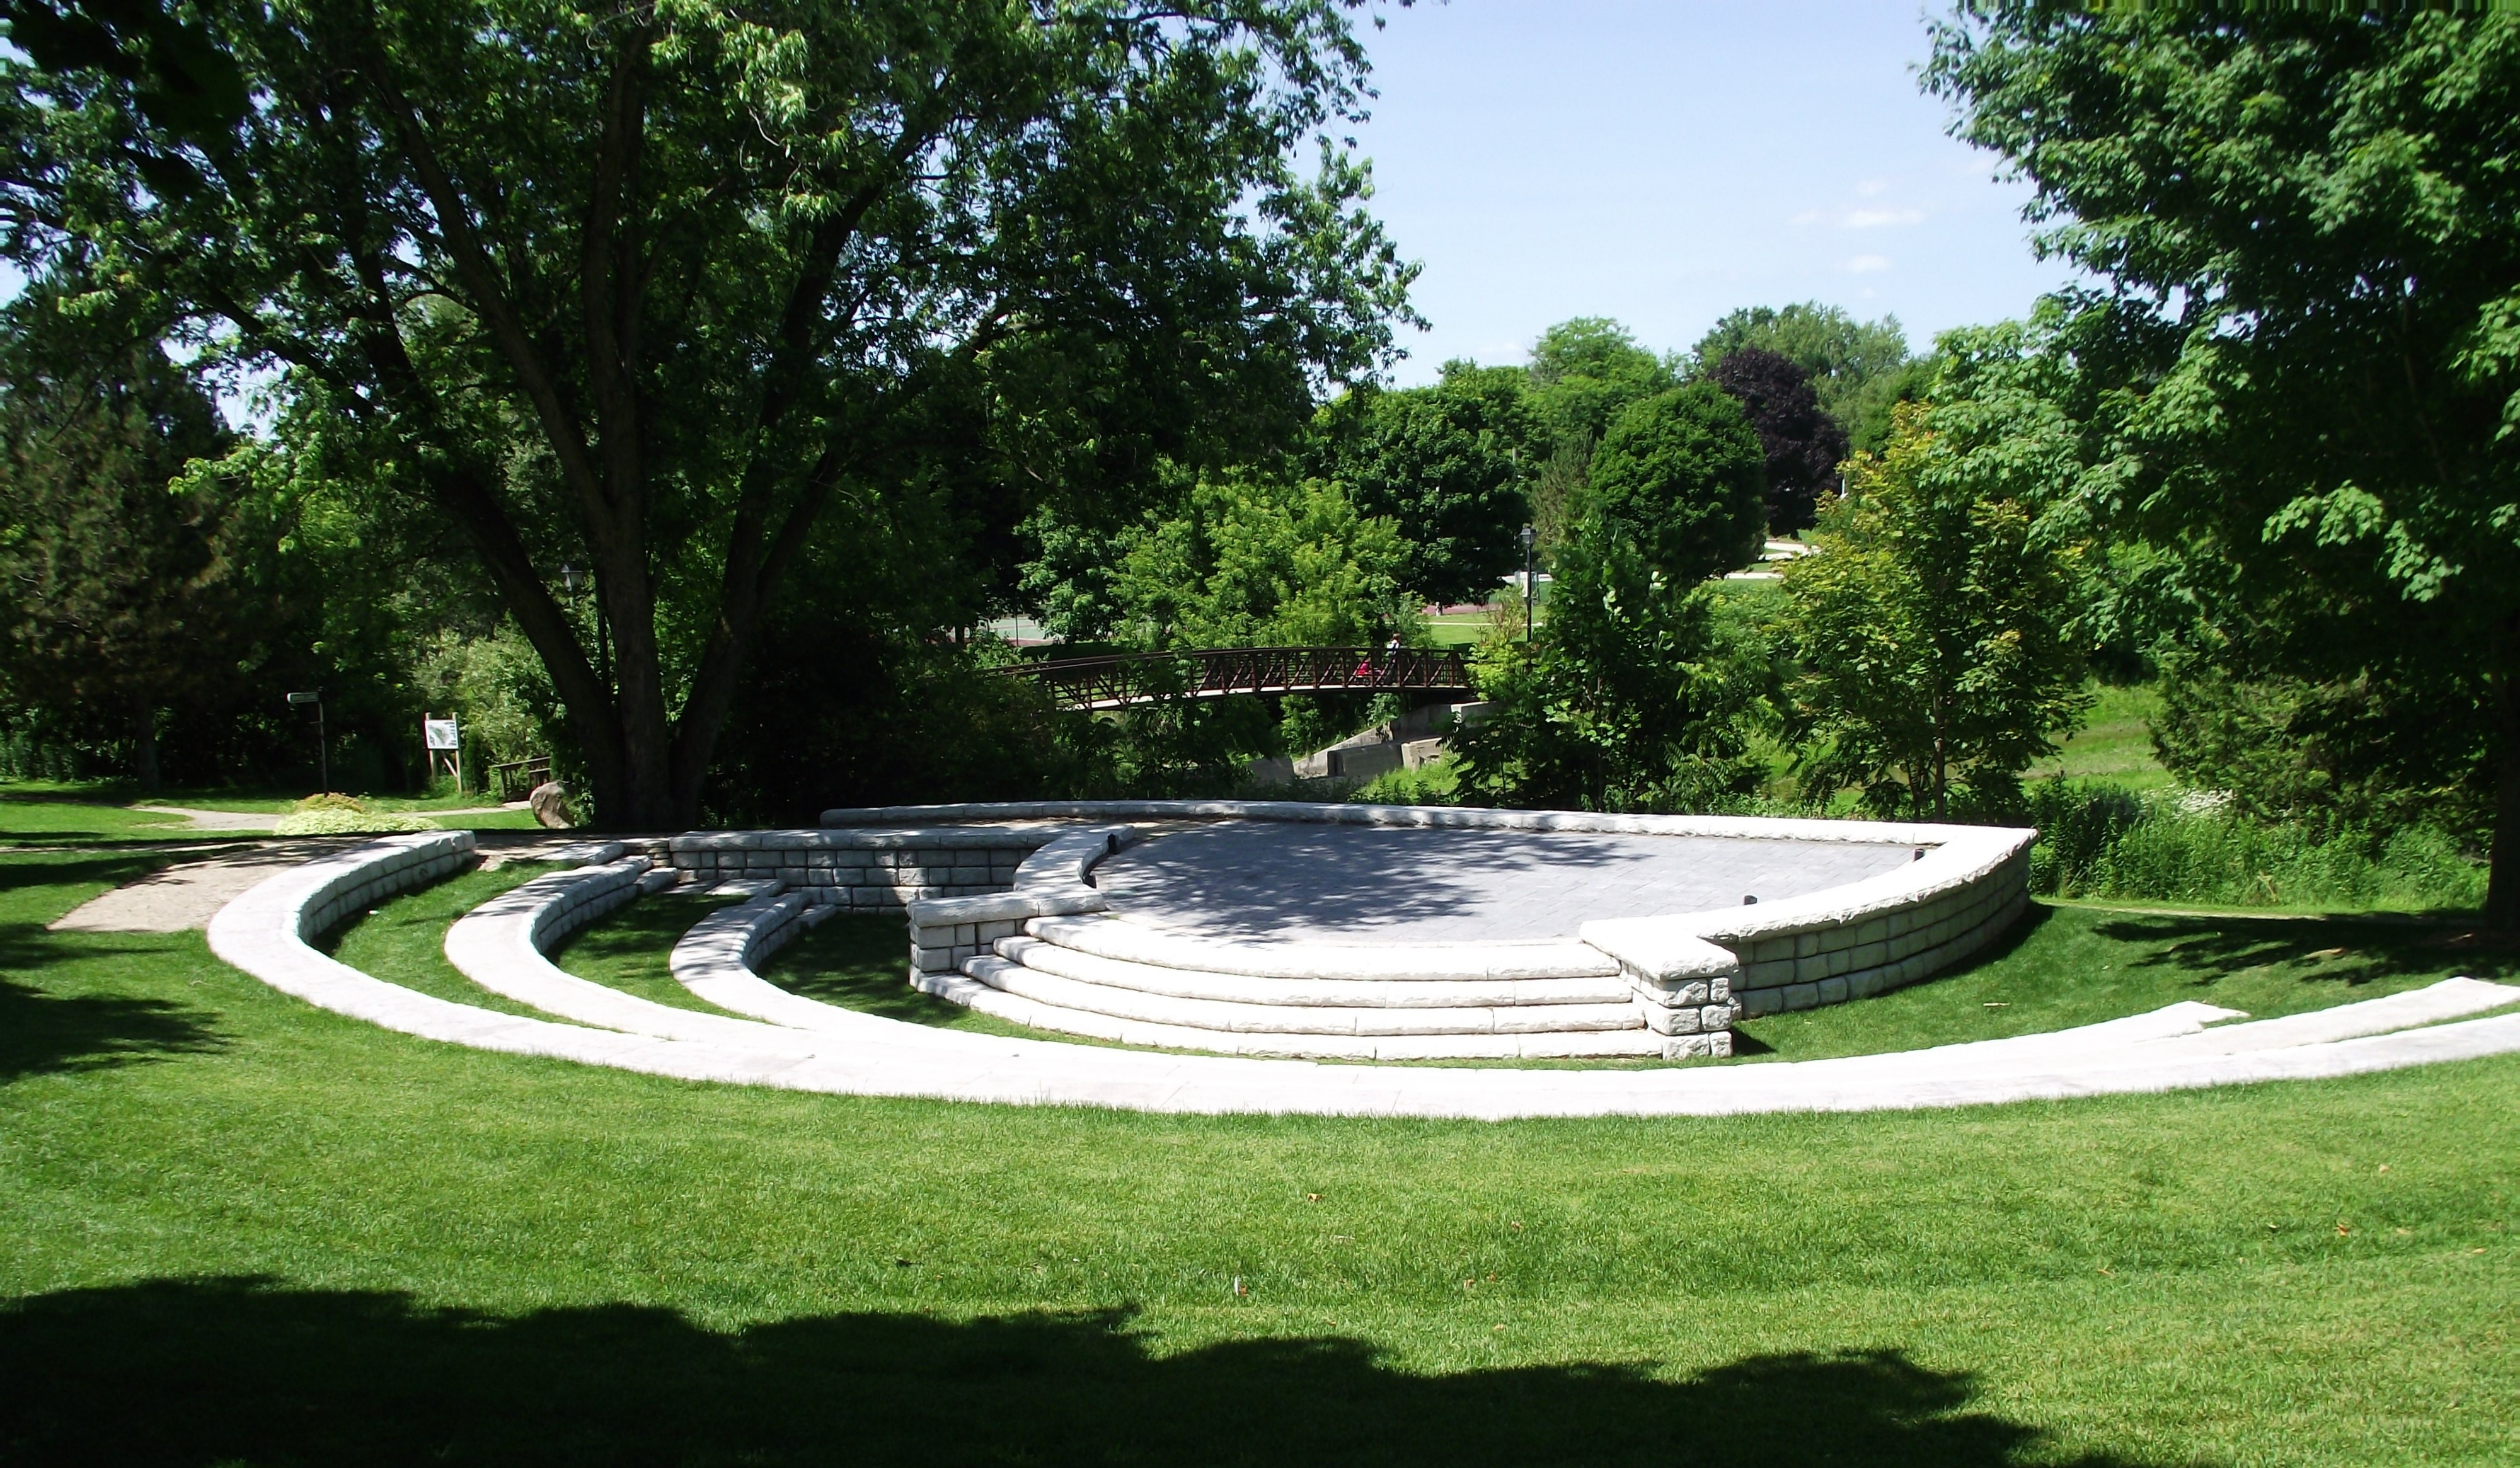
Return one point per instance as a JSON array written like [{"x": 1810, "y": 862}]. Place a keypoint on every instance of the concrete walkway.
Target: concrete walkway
[{"x": 218, "y": 821}]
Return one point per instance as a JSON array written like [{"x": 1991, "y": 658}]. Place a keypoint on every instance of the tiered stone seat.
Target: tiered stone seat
[{"x": 1314, "y": 1000}]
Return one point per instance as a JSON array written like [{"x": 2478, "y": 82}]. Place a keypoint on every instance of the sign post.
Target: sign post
[{"x": 445, "y": 744}]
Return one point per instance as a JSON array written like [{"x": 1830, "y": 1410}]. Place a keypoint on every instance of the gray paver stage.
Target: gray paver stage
[{"x": 1377, "y": 884}]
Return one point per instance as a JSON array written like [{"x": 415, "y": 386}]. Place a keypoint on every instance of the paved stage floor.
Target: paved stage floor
[{"x": 1382, "y": 884}]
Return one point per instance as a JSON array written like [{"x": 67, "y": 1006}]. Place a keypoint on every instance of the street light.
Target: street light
[
  {"x": 1530, "y": 586},
  {"x": 323, "y": 753}
]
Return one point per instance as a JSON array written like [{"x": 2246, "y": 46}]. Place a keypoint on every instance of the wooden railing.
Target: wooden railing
[
  {"x": 1124, "y": 679},
  {"x": 517, "y": 779}
]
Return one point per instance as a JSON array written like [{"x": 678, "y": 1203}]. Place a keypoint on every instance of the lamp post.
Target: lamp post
[
  {"x": 323, "y": 752},
  {"x": 1530, "y": 583},
  {"x": 574, "y": 582}
]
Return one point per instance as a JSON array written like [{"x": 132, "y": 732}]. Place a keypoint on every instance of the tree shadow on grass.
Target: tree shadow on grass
[
  {"x": 45, "y": 1034},
  {"x": 31, "y": 871},
  {"x": 861, "y": 962},
  {"x": 241, "y": 1370},
  {"x": 2349, "y": 952}
]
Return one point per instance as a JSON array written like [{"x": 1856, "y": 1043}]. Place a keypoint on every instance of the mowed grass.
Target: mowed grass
[
  {"x": 55, "y": 813},
  {"x": 241, "y": 1231},
  {"x": 2068, "y": 965},
  {"x": 2114, "y": 744},
  {"x": 49, "y": 815}
]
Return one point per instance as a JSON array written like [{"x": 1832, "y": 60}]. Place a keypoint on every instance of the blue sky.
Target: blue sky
[{"x": 1663, "y": 161}]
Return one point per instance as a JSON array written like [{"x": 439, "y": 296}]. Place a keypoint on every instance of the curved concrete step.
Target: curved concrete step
[
  {"x": 1412, "y": 962},
  {"x": 1366, "y": 993},
  {"x": 974, "y": 993},
  {"x": 1297, "y": 1020}
]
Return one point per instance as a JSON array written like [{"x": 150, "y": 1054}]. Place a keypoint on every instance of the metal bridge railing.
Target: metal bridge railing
[{"x": 1123, "y": 679}]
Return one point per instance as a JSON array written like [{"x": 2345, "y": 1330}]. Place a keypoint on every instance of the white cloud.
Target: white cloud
[
  {"x": 1861, "y": 218},
  {"x": 1867, "y": 264},
  {"x": 1873, "y": 188}
]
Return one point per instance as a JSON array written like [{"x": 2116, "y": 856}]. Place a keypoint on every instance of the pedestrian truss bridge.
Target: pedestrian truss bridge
[{"x": 1120, "y": 680}]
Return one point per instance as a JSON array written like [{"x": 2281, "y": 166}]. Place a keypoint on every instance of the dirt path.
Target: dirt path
[
  {"x": 185, "y": 895},
  {"x": 260, "y": 820}
]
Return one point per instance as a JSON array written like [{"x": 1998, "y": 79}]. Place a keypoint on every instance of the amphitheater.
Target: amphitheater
[{"x": 1280, "y": 956}]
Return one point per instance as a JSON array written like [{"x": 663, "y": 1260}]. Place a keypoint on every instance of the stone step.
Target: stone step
[
  {"x": 1411, "y": 962},
  {"x": 1296, "y": 1019},
  {"x": 1366, "y": 994},
  {"x": 974, "y": 993}
]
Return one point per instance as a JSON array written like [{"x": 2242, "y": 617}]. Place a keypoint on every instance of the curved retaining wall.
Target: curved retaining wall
[
  {"x": 865, "y": 871},
  {"x": 264, "y": 931},
  {"x": 1692, "y": 974}
]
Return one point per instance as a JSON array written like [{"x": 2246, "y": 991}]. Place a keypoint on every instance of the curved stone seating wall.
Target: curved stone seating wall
[
  {"x": 264, "y": 933},
  {"x": 863, "y": 870},
  {"x": 1689, "y": 975},
  {"x": 390, "y": 872}
]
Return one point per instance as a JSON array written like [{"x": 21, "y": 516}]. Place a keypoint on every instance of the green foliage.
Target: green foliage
[
  {"x": 654, "y": 289},
  {"x": 1585, "y": 372},
  {"x": 2355, "y": 753},
  {"x": 335, "y": 815},
  {"x": 2171, "y": 846},
  {"x": 1934, "y": 628},
  {"x": 2310, "y": 228},
  {"x": 1261, "y": 562},
  {"x": 498, "y": 689},
  {"x": 1445, "y": 463},
  {"x": 1631, "y": 697},
  {"x": 1685, "y": 473},
  {"x": 1857, "y": 368},
  {"x": 134, "y": 589}
]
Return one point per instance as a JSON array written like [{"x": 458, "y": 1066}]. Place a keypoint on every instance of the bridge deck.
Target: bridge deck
[{"x": 1120, "y": 680}]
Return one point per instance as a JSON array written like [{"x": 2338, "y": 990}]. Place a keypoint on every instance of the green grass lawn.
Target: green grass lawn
[
  {"x": 44, "y": 813},
  {"x": 244, "y": 1231},
  {"x": 2114, "y": 744},
  {"x": 78, "y": 813}
]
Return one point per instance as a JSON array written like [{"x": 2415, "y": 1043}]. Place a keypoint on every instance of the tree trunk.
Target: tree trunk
[
  {"x": 145, "y": 749},
  {"x": 2503, "y": 883}
]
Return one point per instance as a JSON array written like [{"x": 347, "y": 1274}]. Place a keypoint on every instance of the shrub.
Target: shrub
[
  {"x": 334, "y": 815},
  {"x": 2102, "y": 841}
]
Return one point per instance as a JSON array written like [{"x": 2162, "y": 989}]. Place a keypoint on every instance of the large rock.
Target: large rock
[{"x": 550, "y": 803}]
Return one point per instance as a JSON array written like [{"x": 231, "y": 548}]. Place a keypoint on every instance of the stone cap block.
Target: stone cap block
[
  {"x": 1003, "y": 906},
  {"x": 894, "y": 838}
]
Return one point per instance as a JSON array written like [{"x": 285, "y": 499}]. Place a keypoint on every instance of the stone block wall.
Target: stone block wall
[
  {"x": 1860, "y": 954},
  {"x": 859, "y": 870},
  {"x": 586, "y": 894},
  {"x": 1050, "y": 881},
  {"x": 417, "y": 864}
]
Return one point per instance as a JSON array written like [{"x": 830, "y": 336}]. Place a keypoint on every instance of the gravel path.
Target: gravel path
[{"x": 184, "y": 896}]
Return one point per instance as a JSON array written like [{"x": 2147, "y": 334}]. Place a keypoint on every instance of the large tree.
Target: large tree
[
  {"x": 129, "y": 587},
  {"x": 1684, "y": 473},
  {"x": 1935, "y": 630},
  {"x": 1446, "y": 465},
  {"x": 651, "y": 287},
  {"x": 1631, "y": 697},
  {"x": 1804, "y": 445},
  {"x": 1857, "y": 368},
  {"x": 2308, "y": 227}
]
